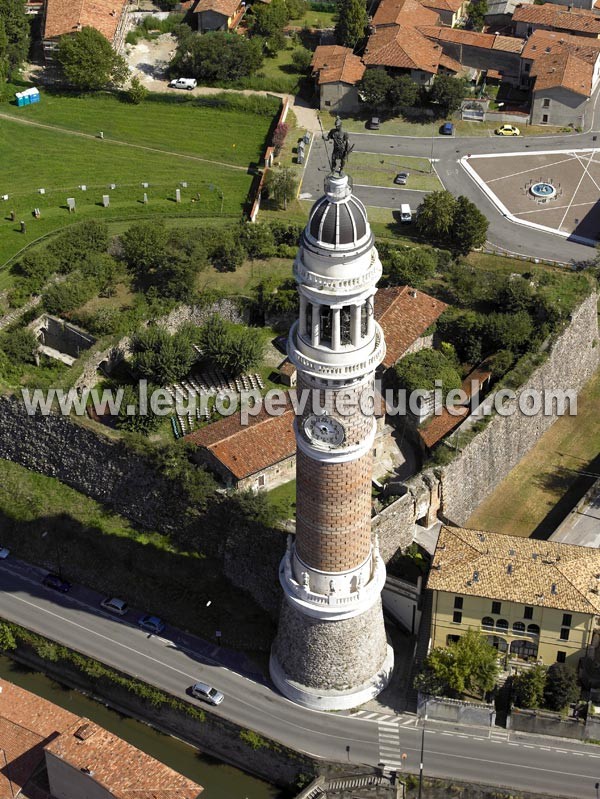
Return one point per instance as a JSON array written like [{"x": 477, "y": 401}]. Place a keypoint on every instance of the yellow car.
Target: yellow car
[{"x": 507, "y": 130}]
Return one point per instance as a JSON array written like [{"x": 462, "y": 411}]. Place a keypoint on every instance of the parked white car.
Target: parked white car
[
  {"x": 207, "y": 693},
  {"x": 114, "y": 605},
  {"x": 184, "y": 83}
]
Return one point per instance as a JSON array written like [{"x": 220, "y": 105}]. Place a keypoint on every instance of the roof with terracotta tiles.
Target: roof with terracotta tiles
[
  {"x": 444, "y": 5},
  {"x": 225, "y": 7},
  {"x": 542, "y": 41},
  {"x": 403, "y": 48},
  {"x": 404, "y": 315},
  {"x": 336, "y": 64},
  {"x": 578, "y": 20},
  {"x": 486, "y": 41},
  {"x": 404, "y": 12},
  {"x": 542, "y": 573},
  {"x": 127, "y": 772},
  {"x": 247, "y": 449},
  {"x": 27, "y": 723},
  {"x": 68, "y": 16}
]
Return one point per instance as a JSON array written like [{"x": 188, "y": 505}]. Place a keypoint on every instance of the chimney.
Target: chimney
[{"x": 412, "y": 293}]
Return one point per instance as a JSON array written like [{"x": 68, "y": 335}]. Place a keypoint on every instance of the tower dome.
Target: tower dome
[{"x": 338, "y": 220}]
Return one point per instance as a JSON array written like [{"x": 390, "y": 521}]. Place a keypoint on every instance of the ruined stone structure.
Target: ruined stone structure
[{"x": 331, "y": 650}]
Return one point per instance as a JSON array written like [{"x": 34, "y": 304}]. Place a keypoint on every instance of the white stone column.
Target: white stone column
[
  {"x": 335, "y": 328},
  {"x": 355, "y": 324},
  {"x": 370, "y": 317},
  {"x": 302, "y": 320},
  {"x": 315, "y": 333}
]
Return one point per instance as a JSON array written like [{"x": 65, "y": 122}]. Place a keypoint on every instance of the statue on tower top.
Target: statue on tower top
[{"x": 341, "y": 146}]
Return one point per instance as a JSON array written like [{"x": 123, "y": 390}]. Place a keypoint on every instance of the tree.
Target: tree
[
  {"x": 516, "y": 295},
  {"x": 160, "y": 357},
  {"x": 7, "y": 638},
  {"x": 144, "y": 247},
  {"x": 136, "y": 92},
  {"x": 302, "y": 58},
  {"x": 561, "y": 686},
  {"x": 470, "y": 665},
  {"x": 469, "y": 227},
  {"x": 137, "y": 422},
  {"x": 412, "y": 266},
  {"x": 74, "y": 245},
  {"x": 422, "y": 370},
  {"x": 374, "y": 87},
  {"x": 88, "y": 61},
  {"x": 435, "y": 215},
  {"x": 279, "y": 136},
  {"x": 282, "y": 185},
  {"x": 448, "y": 92},
  {"x": 351, "y": 22},
  {"x": 464, "y": 329},
  {"x": 217, "y": 56},
  {"x": 257, "y": 239},
  {"x": 269, "y": 22},
  {"x": 14, "y": 36},
  {"x": 233, "y": 348},
  {"x": 476, "y": 11},
  {"x": 20, "y": 345},
  {"x": 507, "y": 331},
  {"x": 402, "y": 93},
  {"x": 528, "y": 687}
]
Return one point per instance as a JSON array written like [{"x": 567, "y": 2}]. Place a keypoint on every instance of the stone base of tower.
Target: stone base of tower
[{"x": 331, "y": 665}]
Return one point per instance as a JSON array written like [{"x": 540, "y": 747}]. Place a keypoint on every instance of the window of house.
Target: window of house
[
  {"x": 458, "y": 602},
  {"x": 561, "y": 657},
  {"x": 327, "y": 102},
  {"x": 527, "y": 67},
  {"x": 502, "y": 624},
  {"x": 528, "y": 613},
  {"x": 487, "y": 622},
  {"x": 261, "y": 481},
  {"x": 457, "y": 617},
  {"x": 567, "y": 618},
  {"x": 518, "y": 627},
  {"x": 544, "y": 119},
  {"x": 564, "y": 634},
  {"x": 533, "y": 629},
  {"x": 452, "y": 639},
  {"x": 496, "y": 607},
  {"x": 545, "y": 103}
]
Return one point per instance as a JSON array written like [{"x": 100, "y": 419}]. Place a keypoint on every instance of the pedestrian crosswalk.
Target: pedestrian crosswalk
[
  {"x": 390, "y": 755},
  {"x": 402, "y": 721}
]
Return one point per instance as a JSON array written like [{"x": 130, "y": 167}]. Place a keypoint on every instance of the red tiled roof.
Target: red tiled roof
[
  {"x": 578, "y": 20},
  {"x": 444, "y": 5},
  {"x": 404, "y": 315},
  {"x": 225, "y": 7},
  {"x": 486, "y": 41},
  {"x": 404, "y": 12},
  {"x": 562, "y": 60},
  {"x": 247, "y": 449},
  {"x": 336, "y": 64},
  {"x": 68, "y": 16},
  {"x": 403, "y": 48},
  {"x": 127, "y": 772},
  {"x": 437, "y": 427},
  {"x": 286, "y": 367}
]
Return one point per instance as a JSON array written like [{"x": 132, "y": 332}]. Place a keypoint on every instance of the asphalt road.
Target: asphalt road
[
  {"x": 172, "y": 662},
  {"x": 446, "y": 152}
]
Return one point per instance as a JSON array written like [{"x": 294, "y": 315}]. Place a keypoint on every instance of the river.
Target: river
[{"x": 218, "y": 780}]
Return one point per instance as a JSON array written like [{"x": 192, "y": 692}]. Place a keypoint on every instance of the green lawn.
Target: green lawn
[
  {"x": 54, "y": 159},
  {"x": 246, "y": 277},
  {"x": 370, "y": 169},
  {"x": 532, "y": 496},
  {"x": 315, "y": 19},
  {"x": 284, "y": 499}
]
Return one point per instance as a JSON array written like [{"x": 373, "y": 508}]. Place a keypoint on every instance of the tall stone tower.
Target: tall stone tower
[{"x": 331, "y": 651}]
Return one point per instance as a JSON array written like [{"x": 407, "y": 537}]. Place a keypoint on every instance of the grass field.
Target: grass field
[
  {"x": 535, "y": 495},
  {"x": 186, "y": 140},
  {"x": 370, "y": 169},
  {"x": 246, "y": 277}
]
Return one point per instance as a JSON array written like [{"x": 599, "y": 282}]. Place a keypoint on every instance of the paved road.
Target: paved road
[
  {"x": 447, "y": 151},
  {"x": 582, "y": 525},
  {"x": 173, "y": 662}
]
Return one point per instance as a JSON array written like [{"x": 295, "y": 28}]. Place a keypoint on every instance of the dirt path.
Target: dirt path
[{"x": 120, "y": 143}]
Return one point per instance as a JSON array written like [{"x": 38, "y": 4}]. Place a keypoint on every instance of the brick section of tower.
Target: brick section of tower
[
  {"x": 333, "y": 514},
  {"x": 357, "y": 425}
]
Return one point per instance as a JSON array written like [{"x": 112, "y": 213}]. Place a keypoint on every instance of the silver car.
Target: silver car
[
  {"x": 207, "y": 693},
  {"x": 114, "y": 605}
]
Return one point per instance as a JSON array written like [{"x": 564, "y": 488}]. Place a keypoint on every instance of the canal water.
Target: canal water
[{"x": 218, "y": 780}]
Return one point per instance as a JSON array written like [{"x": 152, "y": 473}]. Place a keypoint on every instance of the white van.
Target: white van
[
  {"x": 184, "y": 83},
  {"x": 405, "y": 213}
]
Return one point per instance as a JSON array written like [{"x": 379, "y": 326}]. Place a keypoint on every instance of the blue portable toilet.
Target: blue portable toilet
[{"x": 27, "y": 97}]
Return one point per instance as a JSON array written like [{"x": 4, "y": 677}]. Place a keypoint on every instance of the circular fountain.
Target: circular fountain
[{"x": 543, "y": 190}]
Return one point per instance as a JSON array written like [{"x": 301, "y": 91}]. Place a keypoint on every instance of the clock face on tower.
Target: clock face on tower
[{"x": 324, "y": 430}]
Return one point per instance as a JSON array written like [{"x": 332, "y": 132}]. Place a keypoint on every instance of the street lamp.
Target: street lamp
[{"x": 421, "y": 761}]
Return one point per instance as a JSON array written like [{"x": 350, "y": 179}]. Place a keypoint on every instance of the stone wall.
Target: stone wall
[
  {"x": 490, "y": 456},
  {"x": 544, "y": 722},
  {"x": 456, "y": 711}
]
